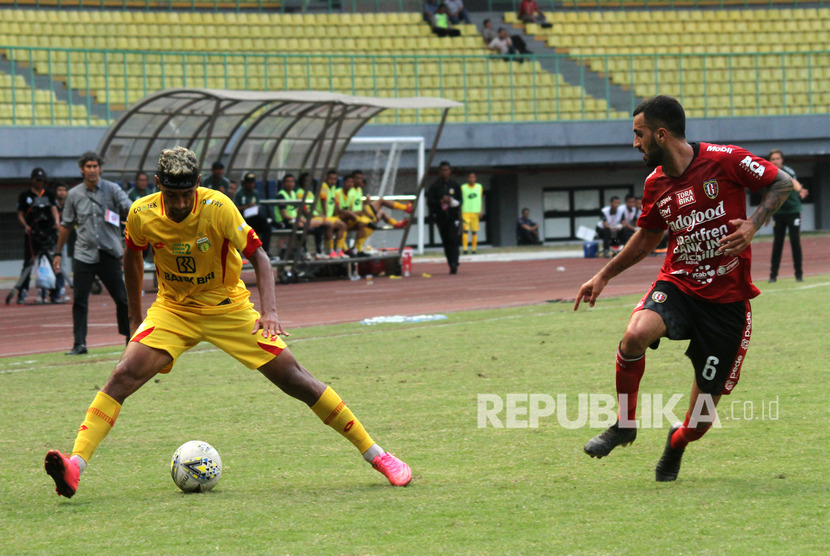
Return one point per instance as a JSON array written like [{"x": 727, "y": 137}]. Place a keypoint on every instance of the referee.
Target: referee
[{"x": 95, "y": 209}]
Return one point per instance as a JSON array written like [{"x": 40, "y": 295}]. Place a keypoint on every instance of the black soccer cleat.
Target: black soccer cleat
[
  {"x": 669, "y": 465},
  {"x": 602, "y": 444}
]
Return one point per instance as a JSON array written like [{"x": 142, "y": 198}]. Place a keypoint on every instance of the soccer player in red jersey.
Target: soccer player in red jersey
[{"x": 702, "y": 293}]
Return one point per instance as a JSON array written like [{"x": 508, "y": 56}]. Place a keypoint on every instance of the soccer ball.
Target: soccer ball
[{"x": 196, "y": 466}]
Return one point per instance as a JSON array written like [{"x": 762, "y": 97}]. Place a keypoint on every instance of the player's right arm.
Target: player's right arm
[
  {"x": 134, "y": 268},
  {"x": 133, "y": 278},
  {"x": 643, "y": 242}
]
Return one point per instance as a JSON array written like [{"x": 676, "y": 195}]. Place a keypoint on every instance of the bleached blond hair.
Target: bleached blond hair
[{"x": 178, "y": 168}]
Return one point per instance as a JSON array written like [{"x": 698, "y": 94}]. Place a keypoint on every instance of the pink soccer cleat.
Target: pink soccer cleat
[
  {"x": 408, "y": 208},
  {"x": 398, "y": 473},
  {"x": 64, "y": 471},
  {"x": 401, "y": 224}
]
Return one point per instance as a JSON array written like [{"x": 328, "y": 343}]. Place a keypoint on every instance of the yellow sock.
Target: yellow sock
[
  {"x": 399, "y": 206},
  {"x": 100, "y": 417},
  {"x": 464, "y": 240},
  {"x": 332, "y": 410},
  {"x": 341, "y": 243},
  {"x": 330, "y": 245},
  {"x": 391, "y": 221},
  {"x": 475, "y": 241},
  {"x": 360, "y": 242}
]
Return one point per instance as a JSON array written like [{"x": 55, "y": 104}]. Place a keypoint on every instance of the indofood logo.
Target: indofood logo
[{"x": 689, "y": 221}]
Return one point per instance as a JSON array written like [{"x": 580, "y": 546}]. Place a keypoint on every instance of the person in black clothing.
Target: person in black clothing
[
  {"x": 37, "y": 212},
  {"x": 444, "y": 202},
  {"x": 527, "y": 231},
  {"x": 788, "y": 217}
]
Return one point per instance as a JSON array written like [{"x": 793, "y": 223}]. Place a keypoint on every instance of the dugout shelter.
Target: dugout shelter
[{"x": 268, "y": 133}]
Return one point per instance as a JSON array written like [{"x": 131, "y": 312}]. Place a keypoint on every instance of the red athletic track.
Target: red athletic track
[{"x": 478, "y": 285}]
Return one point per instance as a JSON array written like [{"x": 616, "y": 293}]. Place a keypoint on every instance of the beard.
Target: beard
[{"x": 655, "y": 154}]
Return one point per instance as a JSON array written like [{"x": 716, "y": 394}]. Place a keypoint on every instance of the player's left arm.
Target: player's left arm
[
  {"x": 774, "y": 197},
  {"x": 269, "y": 321}
]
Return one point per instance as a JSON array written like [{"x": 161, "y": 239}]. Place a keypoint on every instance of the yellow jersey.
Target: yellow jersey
[{"x": 197, "y": 260}]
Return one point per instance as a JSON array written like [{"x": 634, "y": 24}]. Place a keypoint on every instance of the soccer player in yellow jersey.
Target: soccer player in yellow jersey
[
  {"x": 323, "y": 214},
  {"x": 471, "y": 211},
  {"x": 196, "y": 235},
  {"x": 317, "y": 225},
  {"x": 345, "y": 198},
  {"x": 371, "y": 212}
]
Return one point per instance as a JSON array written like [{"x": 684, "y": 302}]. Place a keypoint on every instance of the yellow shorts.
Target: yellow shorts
[
  {"x": 318, "y": 221},
  {"x": 470, "y": 220},
  {"x": 351, "y": 224},
  {"x": 374, "y": 216},
  {"x": 228, "y": 327}
]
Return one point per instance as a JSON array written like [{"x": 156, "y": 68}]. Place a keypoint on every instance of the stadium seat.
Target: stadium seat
[{"x": 584, "y": 32}]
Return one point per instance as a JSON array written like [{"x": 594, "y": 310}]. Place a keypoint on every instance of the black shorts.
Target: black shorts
[{"x": 719, "y": 333}]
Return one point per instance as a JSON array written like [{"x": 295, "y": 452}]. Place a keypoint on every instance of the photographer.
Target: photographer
[{"x": 37, "y": 212}]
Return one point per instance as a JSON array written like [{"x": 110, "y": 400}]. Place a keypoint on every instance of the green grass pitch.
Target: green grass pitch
[{"x": 757, "y": 485}]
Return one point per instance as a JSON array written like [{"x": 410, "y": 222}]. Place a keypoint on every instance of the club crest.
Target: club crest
[
  {"x": 710, "y": 187},
  {"x": 658, "y": 297},
  {"x": 203, "y": 243}
]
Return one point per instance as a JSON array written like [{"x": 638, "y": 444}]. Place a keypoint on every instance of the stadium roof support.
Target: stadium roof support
[{"x": 268, "y": 133}]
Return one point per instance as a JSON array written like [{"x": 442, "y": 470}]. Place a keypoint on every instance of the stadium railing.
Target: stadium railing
[
  {"x": 156, "y": 5},
  {"x": 96, "y": 85},
  {"x": 369, "y": 6}
]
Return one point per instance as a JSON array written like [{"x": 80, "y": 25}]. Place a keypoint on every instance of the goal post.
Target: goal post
[{"x": 393, "y": 167}]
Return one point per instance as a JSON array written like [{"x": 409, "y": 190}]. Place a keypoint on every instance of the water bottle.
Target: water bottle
[{"x": 406, "y": 261}]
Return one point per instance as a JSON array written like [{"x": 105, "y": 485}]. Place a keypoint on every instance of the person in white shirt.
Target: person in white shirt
[
  {"x": 456, "y": 11},
  {"x": 629, "y": 220},
  {"x": 502, "y": 43},
  {"x": 610, "y": 224}
]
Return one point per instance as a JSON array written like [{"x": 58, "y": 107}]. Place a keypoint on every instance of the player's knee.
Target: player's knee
[
  {"x": 287, "y": 373},
  {"x": 122, "y": 382},
  {"x": 635, "y": 341}
]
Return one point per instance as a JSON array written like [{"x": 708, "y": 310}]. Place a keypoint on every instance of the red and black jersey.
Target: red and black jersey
[{"x": 696, "y": 208}]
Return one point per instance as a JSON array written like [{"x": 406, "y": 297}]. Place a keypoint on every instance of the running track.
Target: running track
[{"x": 32, "y": 329}]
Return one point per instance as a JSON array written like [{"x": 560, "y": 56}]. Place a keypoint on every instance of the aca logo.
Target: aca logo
[{"x": 754, "y": 168}]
